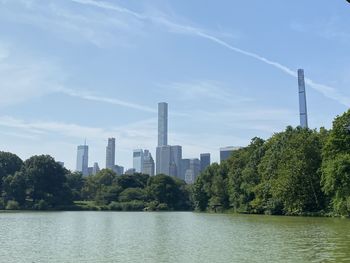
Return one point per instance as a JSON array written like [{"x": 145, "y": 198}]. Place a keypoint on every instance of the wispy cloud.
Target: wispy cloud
[
  {"x": 171, "y": 26},
  {"x": 85, "y": 95},
  {"x": 24, "y": 78},
  {"x": 332, "y": 28},
  {"x": 199, "y": 90},
  {"x": 56, "y": 18}
]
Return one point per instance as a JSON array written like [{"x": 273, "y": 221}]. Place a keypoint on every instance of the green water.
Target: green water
[{"x": 170, "y": 237}]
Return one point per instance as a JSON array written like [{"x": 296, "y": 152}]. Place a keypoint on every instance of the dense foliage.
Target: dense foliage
[
  {"x": 295, "y": 172},
  {"x": 41, "y": 183}
]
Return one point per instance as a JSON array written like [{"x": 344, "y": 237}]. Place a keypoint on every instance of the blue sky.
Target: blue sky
[{"x": 76, "y": 69}]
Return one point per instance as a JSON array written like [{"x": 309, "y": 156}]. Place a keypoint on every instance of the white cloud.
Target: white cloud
[
  {"x": 96, "y": 28},
  {"x": 199, "y": 90},
  {"x": 24, "y": 78},
  {"x": 171, "y": 26},
  {"x": 85, "y": 95}
]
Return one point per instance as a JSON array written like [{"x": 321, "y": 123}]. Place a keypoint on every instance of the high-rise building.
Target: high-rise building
[
  {"x": 169, "y": 160},
  {"x": 185, "y": 165},
  {"x": 110, "y": 153},
  {"x": 193, "y": 171},
  {"x": 175, "y": 162},
  {"x": 163, "y": 157},
  {"x": 226, "y": 152},
  {"x": 302, "y": 99},
  {"x": 119, "y": 170},
  {"x": 148, "y": 163},
  {"x": 83, "y": 159},
  {"x": 162, "y": 124},
  {"x": 95, "y": 169},
  {"x": 138, "y": 160},
  {"x": 205, "y": 161},
  {"x": 61, "y": 163},
  {"x": 130, "y": 171}
]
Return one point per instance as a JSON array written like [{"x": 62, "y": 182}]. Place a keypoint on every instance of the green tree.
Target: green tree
[
  {"x": 75, "y": 182},
  {"x": 168, "y": 190},
  {"x": 9, "y": 164},
  {"x": 15, "y": 187},
  {"x": 336, "y": 165},
  {"x": 46, "y": 180}
]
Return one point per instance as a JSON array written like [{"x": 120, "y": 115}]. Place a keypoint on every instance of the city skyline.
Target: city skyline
[{"x": 96, "y": 69}]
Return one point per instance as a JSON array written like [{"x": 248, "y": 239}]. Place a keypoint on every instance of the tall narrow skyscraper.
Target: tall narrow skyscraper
[
  {"x": 162, "y": 124},
  {"x": 110, "y": 154},
  {"x": 83, "y": 159},
  {"x": 302, "y": 99}
]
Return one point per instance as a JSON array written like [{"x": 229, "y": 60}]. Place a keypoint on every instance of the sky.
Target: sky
[{"x": 72, "y": 70}]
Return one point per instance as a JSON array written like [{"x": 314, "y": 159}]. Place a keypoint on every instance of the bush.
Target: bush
[
  {"x": 162, "y": 207},
  {"x": 41, "y": 205},
  {"x": 2, "y": 204},
  {"x": 127, "y": 206},
  {"x": 12, "y": 205}
]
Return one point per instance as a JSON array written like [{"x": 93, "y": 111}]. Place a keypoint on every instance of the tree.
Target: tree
[
  {"x": 75, "y": 182},
  {"x": 291, "y": 168},
  {"x": 336, "y": 183},
  {"x": 336, "y": 165},
  {"x": 9, "y": 164},
  {"x": 168, "y": 190},
  {"x": 46, "y": 180},
  {"x": 15, "y": 187}
]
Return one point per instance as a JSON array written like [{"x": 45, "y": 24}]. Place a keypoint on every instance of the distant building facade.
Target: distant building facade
[
  {"x": 148, "y": 163},
  {"x": 95, "y": 169},
  {"x": 169, "y": 160},
  {"x": 130, "y": 171},
  {"x": 205, "y": 161},
  {"x": 138, "y": 160},
  {"x": 119, "y": 170},
  {"x": 185, "y": 165},
  {"x": 110, "y": 153},
  {"x": 83, "y": 159},
  {"x": 193, "y": 171},
  {"x": 226, "y": 152}
]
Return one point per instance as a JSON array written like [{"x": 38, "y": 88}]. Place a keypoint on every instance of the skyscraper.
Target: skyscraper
[
  {"x": 162, "y": 124},
  {"x": 95, "y": 169},
  {"x": 193, "y": 171},
  {"x": 110, "y": 153},
  {"x": 205, "y": 161},
  {"x": 148, "y": 163},
  {"x": 169, "y": 160},
  {"x": 302, "y": 99},
  {"x": 138, "y": 160},
  {"x": 83, "y": 159},
  {"x": 226, "y": 152}
]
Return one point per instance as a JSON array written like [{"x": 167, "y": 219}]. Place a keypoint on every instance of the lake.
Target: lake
[{"x": 170, "y": 237}]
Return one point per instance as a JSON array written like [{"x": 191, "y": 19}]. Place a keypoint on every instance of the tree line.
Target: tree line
[
  {"x": 40, "y": 183},
  {"x": 295, "y": 172}
]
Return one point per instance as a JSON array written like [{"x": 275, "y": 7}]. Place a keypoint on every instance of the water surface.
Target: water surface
[{"x": 170, "y": 237}]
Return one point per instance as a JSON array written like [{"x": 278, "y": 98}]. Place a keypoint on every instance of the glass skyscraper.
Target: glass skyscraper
[
  {"x": 83, "y": 159},
  {"x": 205, "y": 161},
  {"x": 138, "y": 160},
  {"x": 110, "y": 154}
]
